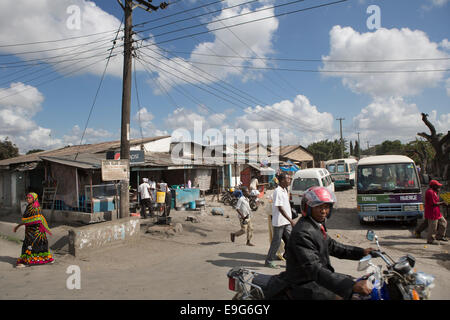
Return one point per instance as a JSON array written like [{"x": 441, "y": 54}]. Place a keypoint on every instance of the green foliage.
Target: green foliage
[
  {"x": 390, "y": 147},
  {"x": 34, "y": 151},
  {"x": 325, "y": 150},
  {"x": 8, "y": 149}
]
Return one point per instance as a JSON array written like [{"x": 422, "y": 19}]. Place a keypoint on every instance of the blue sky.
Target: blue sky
[{"x": 206, "y": 78}]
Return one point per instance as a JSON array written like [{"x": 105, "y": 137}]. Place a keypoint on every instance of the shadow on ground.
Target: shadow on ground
[
  {"x": 239, "y": 259},
  {"x": 10, "y": 260}
]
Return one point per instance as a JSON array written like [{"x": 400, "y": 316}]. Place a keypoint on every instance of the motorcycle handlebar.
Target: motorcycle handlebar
[{"x": 375, "y": 253}]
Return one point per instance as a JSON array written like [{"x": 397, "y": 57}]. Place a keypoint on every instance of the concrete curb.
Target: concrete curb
[{"x": 87, "y": 239}]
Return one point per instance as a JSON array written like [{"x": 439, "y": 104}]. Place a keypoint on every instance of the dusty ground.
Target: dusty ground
[{"x": 193, "y": 264}]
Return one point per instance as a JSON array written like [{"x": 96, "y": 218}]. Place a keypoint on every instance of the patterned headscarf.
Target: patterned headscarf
[
  {"x": 35, "y": 199},
  {"x": 33, "y": 215}
]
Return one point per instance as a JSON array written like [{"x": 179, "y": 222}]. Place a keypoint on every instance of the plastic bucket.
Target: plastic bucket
[
  {"x": 192, "y": 205},
  {"x": 160, "y": 197}
]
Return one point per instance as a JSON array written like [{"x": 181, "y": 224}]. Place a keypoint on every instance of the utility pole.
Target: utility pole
[
  {"x": 359, "y": 147},
  {"x": 128, "y": 7},
  {"x": 342, "y": 140}
]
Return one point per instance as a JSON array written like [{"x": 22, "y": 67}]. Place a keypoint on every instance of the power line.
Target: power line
[
  {"x": 239, "y": 16},
  {"x": 305, "y": 60},
  {"x": 98, "y": 89},
  {"x": 53, "y": 41},
  {"x": 271, "y": 117},
  {"x": 324, "y": 71},
  {"x": 37, "y": 60},
  {"x": 47, "y": 50},
  {"x": 194, "y": 17}
]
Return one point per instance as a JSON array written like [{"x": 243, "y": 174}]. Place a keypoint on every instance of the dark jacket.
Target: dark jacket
[{"x": 308, "y": 264}]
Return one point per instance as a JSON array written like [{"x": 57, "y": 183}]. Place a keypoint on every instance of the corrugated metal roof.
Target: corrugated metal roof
[{"x": 72, "y": 150}]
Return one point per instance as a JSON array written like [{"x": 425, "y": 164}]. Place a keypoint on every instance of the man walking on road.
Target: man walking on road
[
  {"x": 244, "y": 212},
  {"x": 281, "y": 218},
  {"x": 434, "y": 220},
  {"x": 144, "y": 191}
]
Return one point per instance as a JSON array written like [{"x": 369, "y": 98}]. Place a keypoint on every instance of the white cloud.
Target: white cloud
[
  {"x": 90, "y": 136},
  {"x": 144, "y": 126},
  {"x": 313, "y": 124},
  {"x": 394, "y": 118},
  {"x": 384, "y": 44},
  {"x": 438, "y": 3},
  {"x": 18, "y": 105},
  {"x": 249, "y": 40},
  {"x": 38, "y": 21},
  {"x": 445, "y": 44}
]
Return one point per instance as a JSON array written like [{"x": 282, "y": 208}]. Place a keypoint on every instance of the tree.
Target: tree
[
  {"x": 34, "y": 151},
  {"x": 8, "y": 149},
  {"x": 351, "y": 148},
  {"x": 389, "y": 147},
  {"x": 421, "y": 152},
  {"x": 441, "y": 145},
  {"x": 325, "y": 150}
]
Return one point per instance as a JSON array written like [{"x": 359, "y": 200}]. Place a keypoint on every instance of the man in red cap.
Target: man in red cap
[{"x": 433, "y": 217}]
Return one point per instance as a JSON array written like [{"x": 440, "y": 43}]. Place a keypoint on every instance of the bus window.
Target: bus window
[
  {"x": 341, "y": 167},
  {"x": 331, "y": 167}
]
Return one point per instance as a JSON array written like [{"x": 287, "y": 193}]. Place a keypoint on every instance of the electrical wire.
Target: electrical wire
[
  {"x": 305, "y": 60},
  {"x": 324, "y": 71},
  {"x": 98, "y": 89},
  {"x": 283, "y": 121}
]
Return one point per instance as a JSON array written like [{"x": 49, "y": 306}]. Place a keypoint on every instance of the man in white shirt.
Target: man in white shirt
[
  {"x": 254, "y": 186},
  {"x": 245, "y": 214},
  {"x": 281, "y": 218},
  {"x": 152, "y": 184},
  {"x": 144, "y": 191}
]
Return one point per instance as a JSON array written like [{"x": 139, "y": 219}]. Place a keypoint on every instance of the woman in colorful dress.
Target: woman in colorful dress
[{"x": 35, "y": 245}]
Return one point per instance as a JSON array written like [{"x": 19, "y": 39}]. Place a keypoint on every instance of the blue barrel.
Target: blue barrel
[{"x": 192, "y": 205}]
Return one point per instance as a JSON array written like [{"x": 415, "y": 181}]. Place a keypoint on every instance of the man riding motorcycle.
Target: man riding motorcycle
[{"x": 308, "y": 268}]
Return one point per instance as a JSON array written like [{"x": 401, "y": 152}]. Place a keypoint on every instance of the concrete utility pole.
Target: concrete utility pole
[
  {"x": 342, "y": 140},
  {"x": 126, "y": 93},
  {"x": 126, "y": 102}
]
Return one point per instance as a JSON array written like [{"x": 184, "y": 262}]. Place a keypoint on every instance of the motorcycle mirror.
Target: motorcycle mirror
[
  {"x": 370, "y": 235},
  {"x": 364, "y": 263}
]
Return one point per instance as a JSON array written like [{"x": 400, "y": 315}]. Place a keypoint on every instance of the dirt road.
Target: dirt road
[{"x": 193, "y": 264}]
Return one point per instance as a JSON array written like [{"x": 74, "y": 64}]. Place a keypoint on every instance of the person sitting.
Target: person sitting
[{"x": 308, "y": 268}]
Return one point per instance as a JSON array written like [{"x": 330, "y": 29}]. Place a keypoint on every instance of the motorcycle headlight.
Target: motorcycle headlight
[{"x": 424, "y": 279}]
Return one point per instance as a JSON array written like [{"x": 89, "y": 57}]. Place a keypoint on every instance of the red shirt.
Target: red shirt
[{"x": 432, "y": 212}]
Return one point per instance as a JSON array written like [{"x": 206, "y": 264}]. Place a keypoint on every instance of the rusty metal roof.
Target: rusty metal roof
[{"x": 73, "y": 150}]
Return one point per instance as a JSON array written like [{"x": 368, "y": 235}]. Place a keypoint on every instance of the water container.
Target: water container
[
  {"x": 160, "y": 197},
  {"x": 192, "y": 205}
]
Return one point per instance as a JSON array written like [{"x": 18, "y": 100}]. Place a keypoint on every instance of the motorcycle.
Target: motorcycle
[
  {"x": 227, "y": 196},
  {"x": 254, "y": 202},
  {"x": 397, "y": 282}
]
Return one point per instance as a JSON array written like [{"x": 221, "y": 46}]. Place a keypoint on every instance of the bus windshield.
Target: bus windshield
[
  {"x": 380, "y": 178},
  {"x": 331, "y": 168}
]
